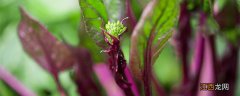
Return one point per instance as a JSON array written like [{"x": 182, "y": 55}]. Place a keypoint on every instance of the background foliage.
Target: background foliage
[{"x": 62, "y": 18}]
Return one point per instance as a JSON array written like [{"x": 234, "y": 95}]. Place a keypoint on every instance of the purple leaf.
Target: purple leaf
[{"x": 42, "y": 46}]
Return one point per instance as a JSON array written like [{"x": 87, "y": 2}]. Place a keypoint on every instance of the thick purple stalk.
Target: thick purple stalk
[
  {"x": 10, "y": 80},
  {"x": 208, "y": 70},
  {"x": 198, "y": 55},
  {"x": 229, "y": 69},
  {"x": 131, "y": 81},
  {"x": 118, "y": 63},
  {"x": 106, "y": 79},
  {"x": 197, "y": 62},
  {"x": 182, "y": 38}
]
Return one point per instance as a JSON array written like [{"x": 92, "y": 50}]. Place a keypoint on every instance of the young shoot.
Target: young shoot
[{"x": 115, "y": 29}]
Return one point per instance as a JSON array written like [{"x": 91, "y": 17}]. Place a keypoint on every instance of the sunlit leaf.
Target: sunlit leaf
[
  {"x": 157, "y": 49},
  {"x": 115, "y": 9}
]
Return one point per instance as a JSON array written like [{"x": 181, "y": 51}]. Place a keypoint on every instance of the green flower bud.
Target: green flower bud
[{"x": 115, "y": 29}]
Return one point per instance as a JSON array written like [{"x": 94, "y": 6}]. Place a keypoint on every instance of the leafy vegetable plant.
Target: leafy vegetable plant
[{"x": 98, "y": 64}]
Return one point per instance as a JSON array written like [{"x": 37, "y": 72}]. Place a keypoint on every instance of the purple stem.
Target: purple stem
[
  {"x": 198, "y": 54},
  {"x": 229, "y": 69},
  {"x": 182, "y": 38},
  {"x": 59, "y": 86},
  {"x": 197, "y": 62},
  {"x": 208, "y": 71},
  {"x": 118, "y": 64},
  {"x": 198, "y": 59},
  {"x": 107, "y": 80},
  {"x": 147, "y": 71},
  {"x": 131, "y": 81},
  {"x": 8, "y": 78}
]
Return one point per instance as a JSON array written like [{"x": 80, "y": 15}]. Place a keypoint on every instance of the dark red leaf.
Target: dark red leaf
[{"x": 42, "y": 46}]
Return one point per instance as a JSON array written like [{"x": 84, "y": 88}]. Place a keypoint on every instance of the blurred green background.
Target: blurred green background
[{"x": 62, "y": 18}]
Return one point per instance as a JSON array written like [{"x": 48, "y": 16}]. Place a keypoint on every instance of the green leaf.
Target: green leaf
[
  {"x": 115, "y": 9},
  {"x": 94, "y": 15},
  {"x": 232, "y": 35},
  {"x": 6, "y": 90},
  {"x": 154, "y": 29},
  {"x": 208, "y": 6}
]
